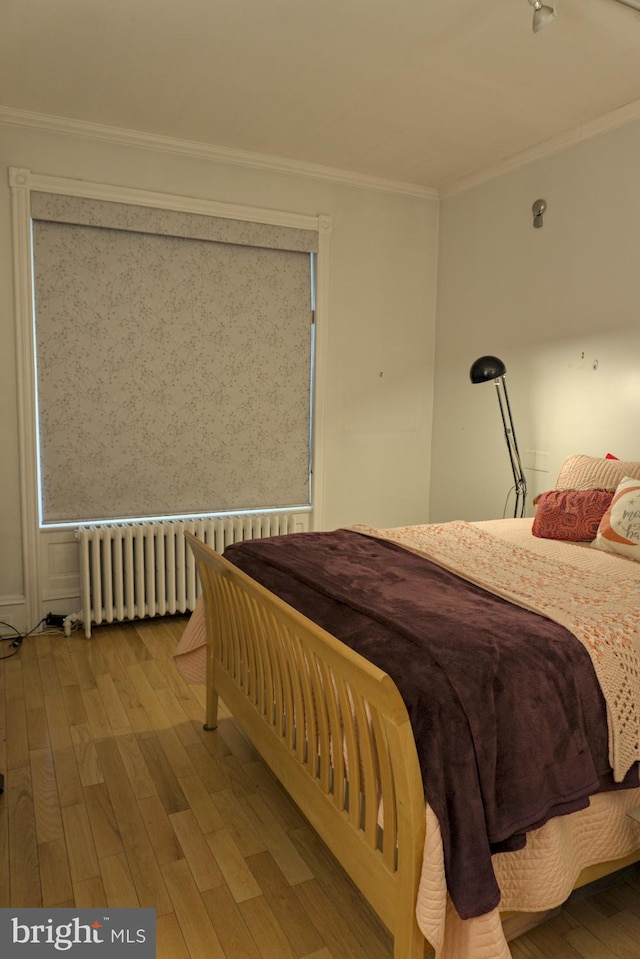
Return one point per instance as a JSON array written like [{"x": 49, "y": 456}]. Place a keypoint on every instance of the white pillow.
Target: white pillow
[
  {"x": 594, "y": 472},
  {"x": 619, "y": 529}
]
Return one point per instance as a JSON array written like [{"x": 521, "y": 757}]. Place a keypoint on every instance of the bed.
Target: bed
[{"x": 449, "y": 810}]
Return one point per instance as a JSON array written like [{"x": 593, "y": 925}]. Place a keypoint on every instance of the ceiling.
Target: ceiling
[{"x": 424, "y": 92}]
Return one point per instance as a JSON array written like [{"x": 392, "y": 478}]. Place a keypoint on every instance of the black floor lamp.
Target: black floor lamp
[{"x": 485, "y": 369}]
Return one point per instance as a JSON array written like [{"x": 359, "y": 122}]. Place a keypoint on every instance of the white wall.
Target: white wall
[
  {"x": 548, "y": 302},
  {"x": 379, "y": 361}
]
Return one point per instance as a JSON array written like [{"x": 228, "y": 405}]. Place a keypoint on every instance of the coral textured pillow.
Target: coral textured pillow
[
  {"x": 573, "y": 515},
  {"x": 594, "y": 472},
  {"x": 619, "y": 530}
]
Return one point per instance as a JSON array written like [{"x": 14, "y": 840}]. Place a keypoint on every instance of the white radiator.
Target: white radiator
[{"x": 130, "y": 570}]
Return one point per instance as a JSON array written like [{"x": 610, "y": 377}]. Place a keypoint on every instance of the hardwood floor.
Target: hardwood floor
[
  {"x": 598, "y": 922},
  {"x": 116, "y": 796}
]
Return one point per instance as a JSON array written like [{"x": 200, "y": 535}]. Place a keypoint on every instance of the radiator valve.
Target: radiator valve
[{"x": 70, "y": 621}]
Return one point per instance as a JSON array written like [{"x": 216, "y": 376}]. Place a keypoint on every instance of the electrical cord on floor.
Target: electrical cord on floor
[{"x": 16, "y": 641}]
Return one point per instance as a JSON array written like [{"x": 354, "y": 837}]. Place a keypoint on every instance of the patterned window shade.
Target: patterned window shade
[{"x": 173, "y": 371}]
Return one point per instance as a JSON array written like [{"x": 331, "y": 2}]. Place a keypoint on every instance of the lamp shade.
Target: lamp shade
[
  {"x": 542, "y": 15},
  {"x": 487, "y": 368}
]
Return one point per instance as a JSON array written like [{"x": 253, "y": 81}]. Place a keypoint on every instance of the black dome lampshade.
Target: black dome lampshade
[
  {"x": 484, "y": 370},
  {"x": 487, "y": 368}
]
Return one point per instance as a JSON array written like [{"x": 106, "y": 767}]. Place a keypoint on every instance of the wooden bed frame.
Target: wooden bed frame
[
  {"x": 332, "y": 727},
  {"x": 335, "y": 731}
]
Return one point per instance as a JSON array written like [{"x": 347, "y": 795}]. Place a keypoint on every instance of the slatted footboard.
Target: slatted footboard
[{"x": 331, "y": 726}]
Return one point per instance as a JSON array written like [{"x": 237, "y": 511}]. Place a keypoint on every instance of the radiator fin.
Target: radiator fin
[{"x": 132, "y": 570}]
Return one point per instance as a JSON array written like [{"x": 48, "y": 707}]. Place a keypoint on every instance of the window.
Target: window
[
  {"x": 174, "y": 361},
  {"x": 132, "y": 211}
]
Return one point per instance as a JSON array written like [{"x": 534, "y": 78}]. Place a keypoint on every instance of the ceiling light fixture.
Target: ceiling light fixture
[{"x": 542, "y": 14}]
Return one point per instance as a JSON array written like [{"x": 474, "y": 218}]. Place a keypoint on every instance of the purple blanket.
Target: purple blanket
[{"x": 508, "y": 717}]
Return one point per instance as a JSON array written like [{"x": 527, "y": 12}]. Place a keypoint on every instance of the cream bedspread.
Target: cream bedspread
[
  {"x": 602, "y": 612},
  {"x": 540, "y": 876}
]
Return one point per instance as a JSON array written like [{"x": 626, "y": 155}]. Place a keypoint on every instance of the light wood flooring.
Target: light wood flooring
[{"x": 116, "y": 796}]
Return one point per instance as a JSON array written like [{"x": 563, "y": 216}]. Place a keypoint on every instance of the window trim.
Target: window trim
[{"x": 22, "y": 182}]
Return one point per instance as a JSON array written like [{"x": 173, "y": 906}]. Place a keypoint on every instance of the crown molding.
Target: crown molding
[
  {"x": 192, "y": 148},
  {"x": 623, "y": 116}
]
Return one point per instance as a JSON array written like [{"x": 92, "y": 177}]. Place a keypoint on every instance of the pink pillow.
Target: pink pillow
[{"x": 572, "y": 515}]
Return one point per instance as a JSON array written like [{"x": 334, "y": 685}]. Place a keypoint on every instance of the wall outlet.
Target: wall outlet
[{"x": 53, "y": 619}]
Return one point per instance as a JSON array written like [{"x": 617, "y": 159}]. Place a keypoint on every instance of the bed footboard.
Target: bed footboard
[{"x": 331, "y": 726}]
